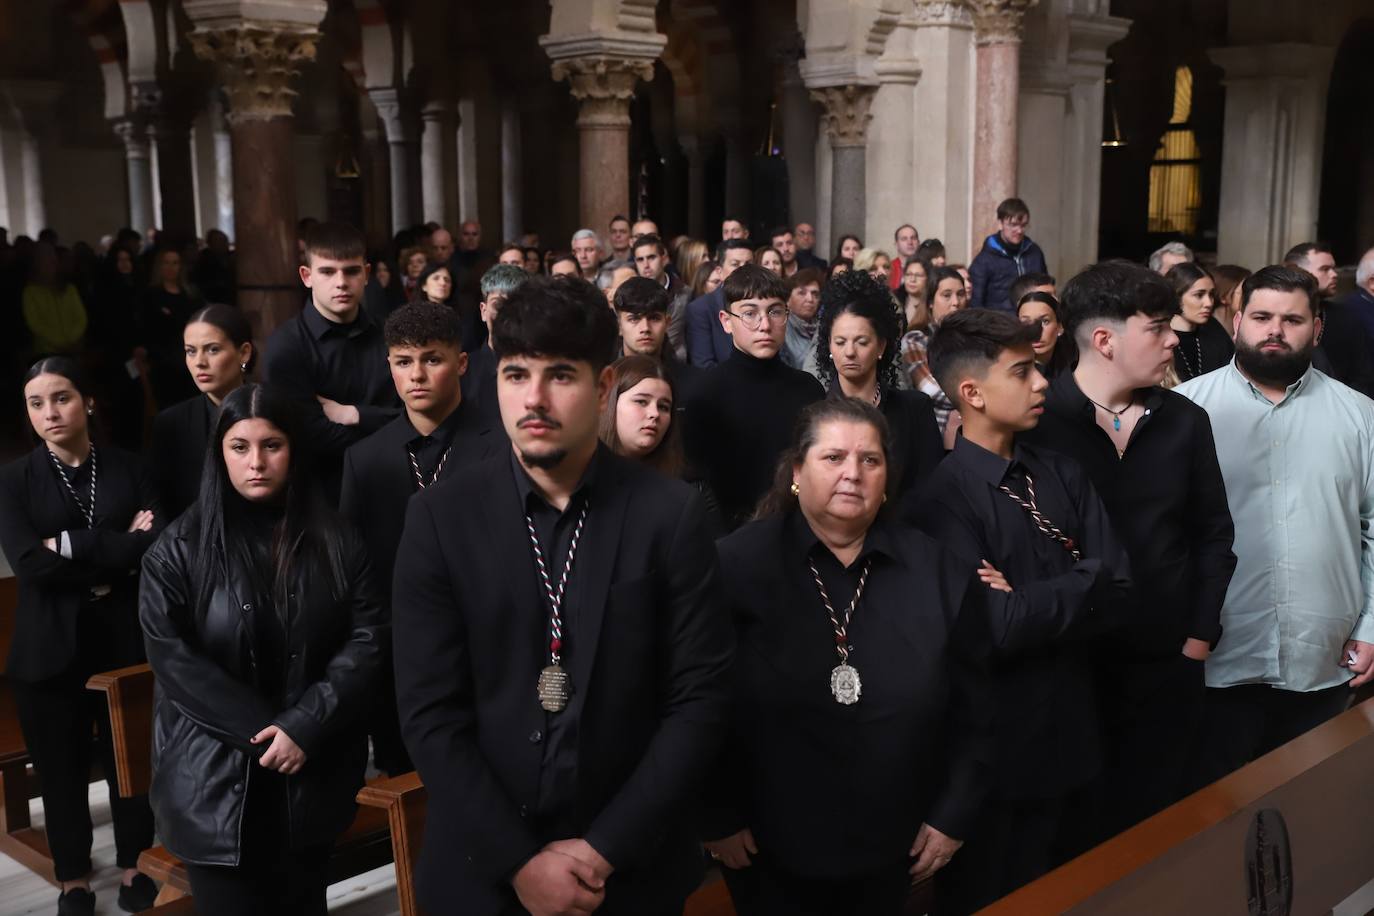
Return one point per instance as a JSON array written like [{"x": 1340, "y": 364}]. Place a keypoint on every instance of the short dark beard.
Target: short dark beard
[
  {"x": 544, "y": 462},
  {"x": 1275, "y": 369}
]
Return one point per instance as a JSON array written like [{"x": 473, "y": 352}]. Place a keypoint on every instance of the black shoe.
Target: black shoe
[
  {"x": 138, "y": 895},
  {"x": 76, "y": 902}
]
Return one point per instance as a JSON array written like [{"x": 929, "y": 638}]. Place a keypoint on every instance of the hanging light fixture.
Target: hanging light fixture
[{"x": 1115, "y": 141}]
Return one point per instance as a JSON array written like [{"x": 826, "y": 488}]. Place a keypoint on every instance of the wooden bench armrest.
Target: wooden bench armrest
[
  {"x": 129, "y": 694},
  {"x": 403, "y": 798}
]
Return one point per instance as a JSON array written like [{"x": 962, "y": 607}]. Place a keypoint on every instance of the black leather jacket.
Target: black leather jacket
[{"x": 211, "y": 699}]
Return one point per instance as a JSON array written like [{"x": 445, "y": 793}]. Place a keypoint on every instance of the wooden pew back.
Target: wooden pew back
[{"x": 129, "y": 694}]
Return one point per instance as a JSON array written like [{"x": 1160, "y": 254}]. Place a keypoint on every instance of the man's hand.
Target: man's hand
[
  {"x": 554, "y": 884},
  {"x": 143, "y": 521},
  {"x": 1362, "y": 665},
  {"x": 283, "y": 755},
  {"x": 932, "y": 852},
  {"x": 734, "y": 851},
  {"x": 1197, "y": 649},
  {"x": 342, "y": 414},
  {"x": 992, "y": 578},
  {"x": 585, "y": 853}
]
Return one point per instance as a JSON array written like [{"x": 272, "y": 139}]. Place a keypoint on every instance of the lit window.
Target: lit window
[{"x": 1176, "y": 174}]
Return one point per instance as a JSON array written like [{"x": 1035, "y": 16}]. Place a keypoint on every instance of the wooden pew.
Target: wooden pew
[
  {"x": 1196, "y": 856},
  {"x": 129, "y": 692}
]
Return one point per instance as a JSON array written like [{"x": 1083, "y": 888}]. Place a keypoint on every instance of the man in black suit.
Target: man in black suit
[
  {"x": 438, "y": 434},
  {"x": 560, "y": 645},
  {"x": 1343, "y": 349}
]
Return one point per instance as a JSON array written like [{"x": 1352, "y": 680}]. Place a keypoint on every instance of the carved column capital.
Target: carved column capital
[
  {"x": 133, "y": 131},
  {"x": 998, "y": 22},
  {"x": 845, "y": 113},
  {"x": 942, "y": 12},
  {"x": 259, "y": 62},
  {"x": 603, "y": 87}
]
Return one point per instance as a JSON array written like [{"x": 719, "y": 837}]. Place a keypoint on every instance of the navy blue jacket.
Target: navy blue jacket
[{"x": 995, "y": 269}]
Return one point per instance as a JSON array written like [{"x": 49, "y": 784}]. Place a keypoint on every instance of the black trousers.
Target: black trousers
[
  {"x": 271, "y": 878},
  {"x": 766, "y": 888},
  {"x": 57, "y": 717},
  {"x": 384, "y": 725},
  {"x": 1249, "y": 721},
  {"x": 1015, "y": 842},
  {"x": 1152, "y": 720}
]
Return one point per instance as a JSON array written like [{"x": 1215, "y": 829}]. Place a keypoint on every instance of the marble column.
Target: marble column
[
  {"x": 603, "y": 87},
  {"x": 258, "y": 64},
  {"x": 1271, "y": 148},
  {"x": 138, "y": 166},
  {"x": 512, "y": 172},
  {"x": 845, "y": 117},
  {"x": 397, "y": 119},
  {"x": 438, "y": 153},
  {"x": 893, "y": 137},
  {"x": 469, "y": 202},
  {"x": 799, "y": 143},
  {"x": 997, "y": 29}
]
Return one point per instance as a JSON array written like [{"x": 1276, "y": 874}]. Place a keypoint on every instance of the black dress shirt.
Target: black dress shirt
[
  {"x": 558, "y": 775},
  {"x": 1167, "y": 501},
  {"x": 311, "y": 355},
  {"x": 1046, "y": 725},
  {"x": 832, "y": 790},
  {"x": 739, "y": 421},
  {"x": 1203, "y": 350},
  {"x": 479, "y": 384}
]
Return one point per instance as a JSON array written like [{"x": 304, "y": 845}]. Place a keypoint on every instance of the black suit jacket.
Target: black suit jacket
[
  {"x": 651, "y": 649},
  {"x": 1344, "y": 351},
  {"x": 34, "y": 505},
  {"x": 181, "y": 434},
  {"x": 378, "y": 481}
]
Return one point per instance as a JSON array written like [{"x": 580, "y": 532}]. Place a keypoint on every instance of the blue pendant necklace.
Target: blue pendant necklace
[{"x": 1116, "y": 414}]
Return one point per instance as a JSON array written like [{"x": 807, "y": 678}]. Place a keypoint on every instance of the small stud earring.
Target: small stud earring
[
  {"x": 796, "y": 490},
  {"x": 243, "y": 367},
  {"x": 90, "y": 411}
]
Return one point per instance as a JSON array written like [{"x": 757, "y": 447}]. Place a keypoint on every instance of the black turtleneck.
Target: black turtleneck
[{"x": 738, "y": 422}]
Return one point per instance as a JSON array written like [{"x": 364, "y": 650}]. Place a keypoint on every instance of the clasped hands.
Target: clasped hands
[
  {"x": 931, "y": 851},
  {"x": 565, "y": 878},
  {"x": 283, "y": 754}
]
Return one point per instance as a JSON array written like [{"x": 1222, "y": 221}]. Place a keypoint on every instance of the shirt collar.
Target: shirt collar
[
  {"x": 321, "y": 327},
  {"x": 443, "y": 433},
  {"x": 1064, "y": 392},
  {"x": 524, "y": 484},
  {"x": 1296, "y": 388},
  {"x": 804, "y": 542},
  {"x": 983, "y": 464}
]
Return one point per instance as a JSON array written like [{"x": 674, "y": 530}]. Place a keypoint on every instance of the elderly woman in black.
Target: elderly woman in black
[
  {"x": 74, "y": 523},
  {"x": 264, "y": 634},
  {"x": 856, "y": 758},
  {"x": 857, "y": 347}
]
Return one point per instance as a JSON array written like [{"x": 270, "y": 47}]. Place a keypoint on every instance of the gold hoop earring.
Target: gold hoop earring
[{"x": 796, "y": 490}]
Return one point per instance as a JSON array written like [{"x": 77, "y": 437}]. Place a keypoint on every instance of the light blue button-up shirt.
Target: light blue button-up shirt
[{"x": 1300, "y": 482}]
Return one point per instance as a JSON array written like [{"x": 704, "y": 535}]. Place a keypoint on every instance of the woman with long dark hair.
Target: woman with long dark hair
[
  {"x": 264, "y": 633},
  {"x": 74, "y": 523},
  {"x": 220, "y": 354},
  {"x": 1203, "y": 344},
  {"x": 1053, "y": 354},
  {"x": 859, "y": 668},
  {"x": 856, "y": 350}
]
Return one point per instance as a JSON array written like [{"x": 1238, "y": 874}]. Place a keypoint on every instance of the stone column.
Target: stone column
[
  {"x": 512, "y": 172},
  {"x": 1271, "y": 149},
  {"x": 438, "y": 155},
  {"x": 997, "y": 28},
  {"x": 893, "y": 137},
  {"x": 138, "y": 167},
  {"x": 603, "y": 87},
  {"x": 469, "y": 204},
  {"x": 175, "y": 183},
  {"x": 394, "y": 110},
  {"x": 224, "y": 168},
  {"x": 258, "y": 62},
  {"x": 799, "y": 143},
  {"x": 845, "y": 118}
]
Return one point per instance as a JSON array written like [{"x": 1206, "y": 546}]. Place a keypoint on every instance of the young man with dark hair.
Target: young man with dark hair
[
  {"x": 708, "y": 343},
  {"x": 1007, "y": 254},
  {"x": 562, "y": 654},
  {"x": 330, "y": 358},
  {"x": 1030, "y": 283},
  {"x": 732, "y": 227},
  {"x": 1343, "y": 349},
  {"x": 618, "y": 238},
  {"x": 651, "y": 260},
  {"x": 642, "y": 308},
  {"x": 1030, "y": 524},
  {"x": 908, "y": 242},
  {"x": 805, "y": 235},
  {"x": 740, "y": 418},
  {"x": 1152, "y": 458},
  {"x": 786, "y": 246},
  {"x": 435, "y": 436},
  {"x": 1296, "y": 450}
]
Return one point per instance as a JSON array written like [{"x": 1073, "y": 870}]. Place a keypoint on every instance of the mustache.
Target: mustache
[{"x": 538, "y": 417}]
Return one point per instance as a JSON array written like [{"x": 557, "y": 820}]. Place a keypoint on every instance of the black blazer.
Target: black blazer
[
  {"x": 378, "y": 481},
  {"x": 35, "y": 505},
  {"x": 839, "y": 791},
  {"x": 181, "y": 434},
  {"x": 917, "y": 444},
  {"x": 652, "y": 652},
  {"x": 210, "y": 702}
]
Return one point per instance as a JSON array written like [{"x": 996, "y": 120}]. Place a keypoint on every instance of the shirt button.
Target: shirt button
[
  {"x": 238, "y": 787},
  {"x": 248, "y": 607},
  {"x": 536, "y": 737},
  {"x": 524, "y": 811}
]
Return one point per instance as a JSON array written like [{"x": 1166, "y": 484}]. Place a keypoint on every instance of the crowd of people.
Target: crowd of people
[{"x": 836, "y": 574}]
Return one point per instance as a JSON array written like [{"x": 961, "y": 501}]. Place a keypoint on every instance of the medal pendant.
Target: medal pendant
[
  {"x": 845, "y": 685},
  {"x": 554, "y": 688}
]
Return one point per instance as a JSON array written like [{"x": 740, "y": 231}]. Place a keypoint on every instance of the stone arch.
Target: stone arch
[{"x": 141, "y": 44}]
